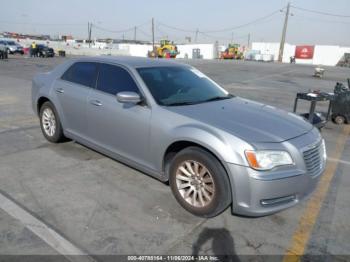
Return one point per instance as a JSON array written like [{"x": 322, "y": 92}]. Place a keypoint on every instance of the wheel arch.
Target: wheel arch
[
  {"x": 40, "y": 102},
  {"x": 177, "y": 146}
]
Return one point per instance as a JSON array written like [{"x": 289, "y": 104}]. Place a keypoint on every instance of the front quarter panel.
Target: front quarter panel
[{"x": 168, "y": 128}]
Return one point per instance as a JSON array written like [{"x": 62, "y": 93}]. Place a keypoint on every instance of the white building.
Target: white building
[{"x": 323, "y": 54}]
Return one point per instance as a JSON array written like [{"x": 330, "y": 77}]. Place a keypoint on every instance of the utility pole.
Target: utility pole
[
  {"x": 248, "y": 44},
  {"x": 135, "y": 33},
  {"x": 90, "y": 28},
  {"x": 283, "y": 39},
  {"x": 232, "y": 37},
  {"x": 153, "y": 34},
  {"x": 196, "y": 37}
]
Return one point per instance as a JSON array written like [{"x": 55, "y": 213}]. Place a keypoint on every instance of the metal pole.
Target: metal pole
[
  {"x": 88, "y": 30},
  {"x": 232, "y": 37},
  {"x": 196, "y": 37},
  {"x": 135, "y": 33},
  {"x": 248, "y": 41},
  {"x": 90, "y": 35},
  {"x": 283, "y": 39},
  {"x": 153, "y": 33}
]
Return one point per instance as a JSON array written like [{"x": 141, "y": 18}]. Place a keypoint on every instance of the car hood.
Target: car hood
[{"x": 248, "y": 120}]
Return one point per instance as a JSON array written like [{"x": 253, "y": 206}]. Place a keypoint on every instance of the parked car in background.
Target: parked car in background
[
  {"x": 45, "y": 51},
  {"x": 13, "y": 47},
  {"x": 172, "y": 122}
]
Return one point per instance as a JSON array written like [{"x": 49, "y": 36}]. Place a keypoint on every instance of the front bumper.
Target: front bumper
[
  {"x": 256, "y": 197},
  {"x": 259, "y": 193}
]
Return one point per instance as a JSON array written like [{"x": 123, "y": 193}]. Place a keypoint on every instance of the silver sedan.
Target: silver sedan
[{"x": 174, "y": 123}]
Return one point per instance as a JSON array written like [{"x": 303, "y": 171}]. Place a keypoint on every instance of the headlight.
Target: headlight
[{"x": 267, "y": 159}]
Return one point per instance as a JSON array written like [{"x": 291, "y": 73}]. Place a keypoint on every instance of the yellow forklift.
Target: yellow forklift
[
  {"x": 232, "y": 52},
  {"x": 167, "y": 49}
]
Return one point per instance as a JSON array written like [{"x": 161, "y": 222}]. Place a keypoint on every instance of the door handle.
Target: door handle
[
  {"x": 95, "y": 103},
  {"x": 60, "y": 90}
]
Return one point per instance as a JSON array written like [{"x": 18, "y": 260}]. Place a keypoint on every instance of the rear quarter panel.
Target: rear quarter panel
[{"x": 43, "y": 83}]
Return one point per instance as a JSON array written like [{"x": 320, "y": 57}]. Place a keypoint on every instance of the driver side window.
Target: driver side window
[{"x": 114, "y": 79}]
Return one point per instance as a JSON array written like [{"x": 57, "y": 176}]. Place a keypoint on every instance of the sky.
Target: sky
[{"x": 178, "y": 19}]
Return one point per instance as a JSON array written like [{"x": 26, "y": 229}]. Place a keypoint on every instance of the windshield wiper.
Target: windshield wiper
[
  {"x": 181, "y": 104},
  {"x": 216, "y": 98}
]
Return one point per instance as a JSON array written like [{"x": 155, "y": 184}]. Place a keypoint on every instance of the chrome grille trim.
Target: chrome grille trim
[{"x": 313, "y": 158}]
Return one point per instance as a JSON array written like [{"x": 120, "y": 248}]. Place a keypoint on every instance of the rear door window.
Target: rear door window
[
  {"x": 83, "y": 73},
  {"x": 114, "y": 79}
]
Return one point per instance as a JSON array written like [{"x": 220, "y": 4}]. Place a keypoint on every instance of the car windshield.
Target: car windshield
[
  {"x": 11, "y": 43},
  {"x": 175, "y": 86}
]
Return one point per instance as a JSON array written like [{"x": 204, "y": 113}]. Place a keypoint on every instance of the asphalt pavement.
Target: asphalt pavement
[{"x": 66, "y": 198}]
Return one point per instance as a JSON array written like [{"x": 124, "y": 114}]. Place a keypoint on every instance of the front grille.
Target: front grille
[{"x": 313, "y": 158}]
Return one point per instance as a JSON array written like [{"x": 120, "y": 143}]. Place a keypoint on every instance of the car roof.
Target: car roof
[{"x": 130, "y": 61}]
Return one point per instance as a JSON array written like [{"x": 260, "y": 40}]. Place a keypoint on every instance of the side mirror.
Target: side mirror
[{"x": 128, "y": 97}]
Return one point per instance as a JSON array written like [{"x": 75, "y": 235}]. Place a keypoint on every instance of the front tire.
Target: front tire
[
  {"x": 50, "y": 123},
  {"x": 199, "y": 182}
]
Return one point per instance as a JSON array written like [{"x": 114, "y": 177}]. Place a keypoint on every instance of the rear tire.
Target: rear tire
[
  {"x": 50, "y": 123},
  {"x": 339, "y": 120},
  {"x": 199, "y": 182}
]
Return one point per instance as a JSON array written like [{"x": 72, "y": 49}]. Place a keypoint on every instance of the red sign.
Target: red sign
[{"x": 304, "y": 52}]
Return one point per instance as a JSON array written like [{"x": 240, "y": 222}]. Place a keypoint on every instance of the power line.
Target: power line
[
  {"x": 113, "y": 31},
  {"x": 176, "y": 28},
  {"x": 144, "y": 33},
  {"x": 224, "y": 29},
  {"x": 320, "y": 20},
  {"x": 246, "y": 24},
  {"x": 121, "y": 30},
  {"x": 162, "y": 33},
  {"x": 223, "y": 37},
  {"x": 319, "y": 12}
]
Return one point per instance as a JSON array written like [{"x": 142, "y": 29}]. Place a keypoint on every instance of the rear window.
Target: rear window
[{"x": 83, "y": 73}]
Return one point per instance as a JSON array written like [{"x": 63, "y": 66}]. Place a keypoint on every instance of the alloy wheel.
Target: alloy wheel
[
  {"x": 195, "y": 183},
  {"x": 49, "y": 122}
]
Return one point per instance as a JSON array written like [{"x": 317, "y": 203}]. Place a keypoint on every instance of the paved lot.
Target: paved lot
[{"x": 100, "y": 206}]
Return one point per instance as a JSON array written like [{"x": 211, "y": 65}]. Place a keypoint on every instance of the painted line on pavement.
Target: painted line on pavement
[
  {"x": 309, "y": 217},
  {"x": 44, "y": 232},
  {"x": 338, "y": 160}
]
